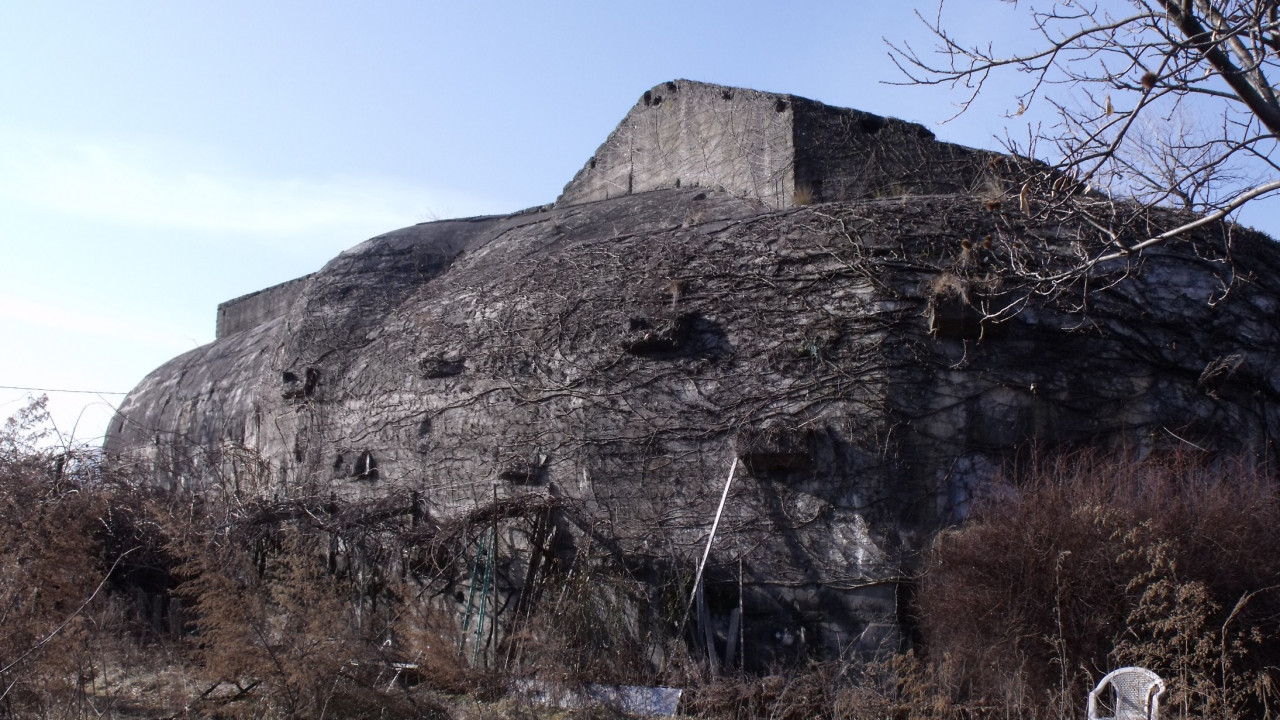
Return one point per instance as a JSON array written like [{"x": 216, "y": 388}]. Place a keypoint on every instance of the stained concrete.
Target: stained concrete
[{"x": 617, "y": 354}]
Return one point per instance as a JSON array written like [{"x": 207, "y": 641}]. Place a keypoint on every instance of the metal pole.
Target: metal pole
[{"x": 697, "y": 578}]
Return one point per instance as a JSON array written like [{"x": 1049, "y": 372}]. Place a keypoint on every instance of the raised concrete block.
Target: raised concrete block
[{"x": 780, "y": 149}]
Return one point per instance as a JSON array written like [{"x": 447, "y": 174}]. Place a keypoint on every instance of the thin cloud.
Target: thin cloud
[
  {"x": 52, "y": 318},
  {"x": 148, "y": 186}
]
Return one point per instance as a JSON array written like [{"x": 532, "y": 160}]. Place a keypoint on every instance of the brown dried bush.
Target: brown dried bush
[
  {"x": 51, "y": 568},
  {"x": 1084, "y": 563},
  {"x": 592, "y": 626},
  {"x": 271, "y": 620},
  {"x": 428, "y": 643}
]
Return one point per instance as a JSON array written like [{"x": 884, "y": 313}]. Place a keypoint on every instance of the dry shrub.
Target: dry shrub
[
  {"x": 271, "y": 621},
  {"x": 1087, "y": 562},
  {"x": 72, "y": 545},
  {"x": 428, "y": 642},
  {"x": 590, "y": 626},
  {"x": 51, "y": 568},
  {"x": 87, "y": 628}
]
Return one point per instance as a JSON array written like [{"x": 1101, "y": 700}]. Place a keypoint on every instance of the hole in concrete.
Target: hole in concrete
[
  {"x": 293, "y": 386},
  {"x": 775, "y": 448},
  {"x": 657, "y": 337},
  {"x": 366, "y": 468},
  {"x": 648, "y": 98},
  {"x": 657, "y": 100},
  {"x": 780, "y": 106},
  {"x": 523, "y": 472},
  {"x": 313, "y": 379},
  {"x": 441, "y": 366},
  {"x": 953, "y": 317}
]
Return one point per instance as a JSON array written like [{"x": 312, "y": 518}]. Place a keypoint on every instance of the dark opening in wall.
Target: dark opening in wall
[
  {"x": 366, "y": 468},
  {"x": 657, "y": 336},
  {"x": 648, "y": 98},
  {"x": 525, "y": 472},
  {"x": 952, "y": 317},
  {"x": 439, "y": 366},
  {"x": 294, "y": 388},
  {"x": 780, "y": 106},
  {"x": 958, "y": 317},
  {"x": 775, "y": 448}
]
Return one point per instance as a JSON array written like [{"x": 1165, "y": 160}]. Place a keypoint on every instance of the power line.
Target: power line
[{"x": 57, "y": 390}]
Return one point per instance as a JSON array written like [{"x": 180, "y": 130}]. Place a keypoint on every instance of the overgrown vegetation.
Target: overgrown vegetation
[
  {"x": 123, "y": 601},
  {"x": 1084, "y": 563}
]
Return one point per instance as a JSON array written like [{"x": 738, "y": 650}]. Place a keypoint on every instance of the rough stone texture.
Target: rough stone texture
[
  {"x": 782, "y": 150},
  {"x": 619, "y": 354}
]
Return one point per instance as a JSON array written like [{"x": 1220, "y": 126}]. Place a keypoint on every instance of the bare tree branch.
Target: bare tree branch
[{"x": 1143, "y": 81}]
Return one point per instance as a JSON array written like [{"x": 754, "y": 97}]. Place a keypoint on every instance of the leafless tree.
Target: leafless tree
[{"x": 1165, "y": 101}]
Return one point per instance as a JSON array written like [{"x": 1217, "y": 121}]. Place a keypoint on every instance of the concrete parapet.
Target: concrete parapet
[{"x": 250, "y": 311}]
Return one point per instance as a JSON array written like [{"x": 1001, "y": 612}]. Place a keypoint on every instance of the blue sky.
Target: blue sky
[{"x": 160, "y": 158}]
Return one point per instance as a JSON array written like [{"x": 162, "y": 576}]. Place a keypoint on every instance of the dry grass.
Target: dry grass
[
  {"x": 803, "y": 195},
  {"x": 949, "y": 286}
]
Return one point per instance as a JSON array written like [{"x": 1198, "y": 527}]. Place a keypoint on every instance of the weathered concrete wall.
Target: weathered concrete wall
[
  {"x": 621, "y": 372},
  {"x": 843, "y": 154},
  {"x": 780, "y": 149},
  {"x": 250, "y": 311},
  {"x": 617, "y": 355},
  {"x": 689, "y": 134}
]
